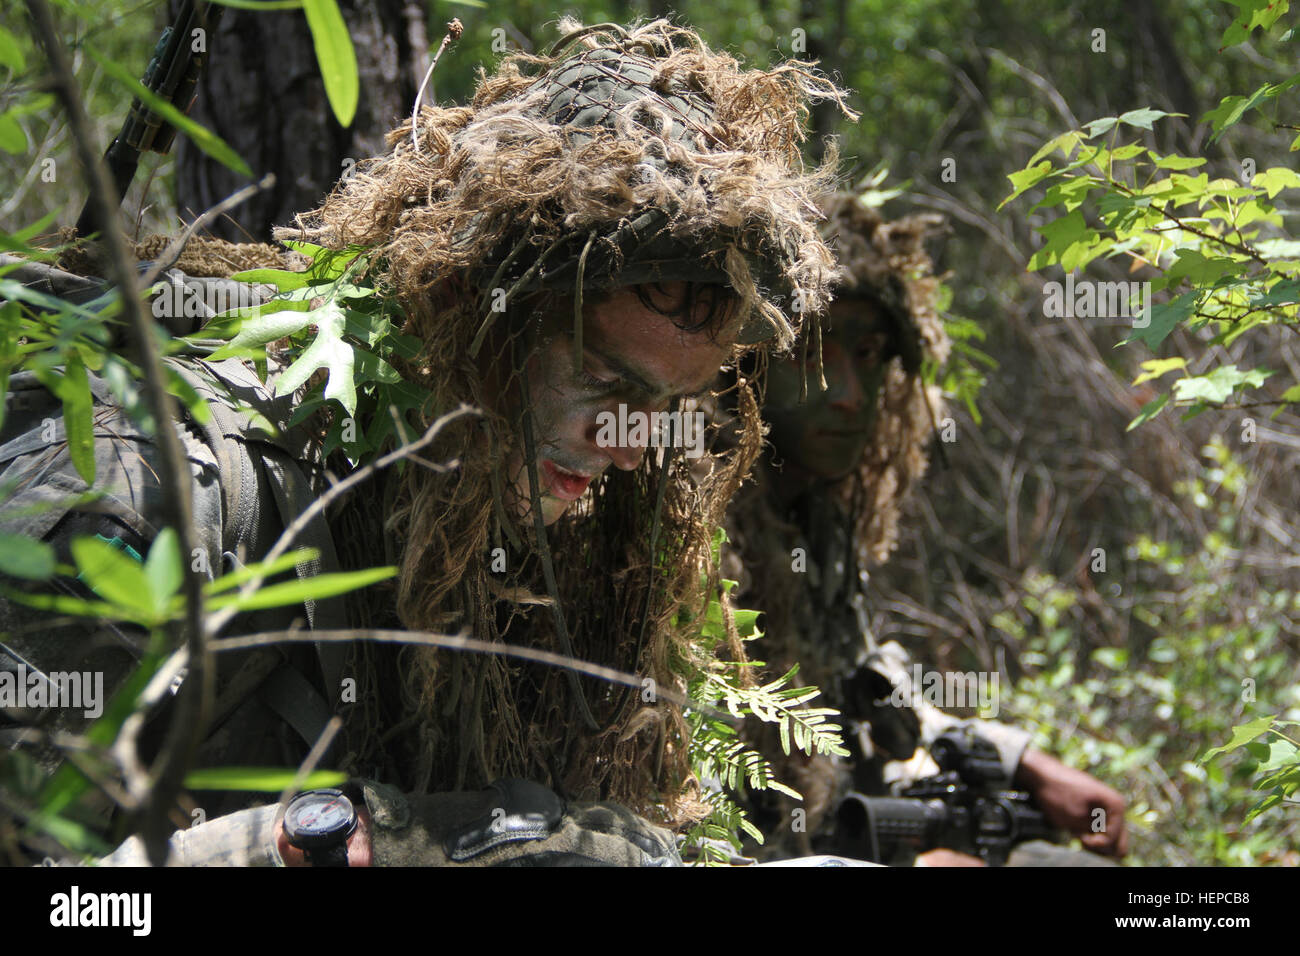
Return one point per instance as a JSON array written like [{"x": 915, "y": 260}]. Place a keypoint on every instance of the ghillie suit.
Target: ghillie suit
[
  {"x": 619, "y": 158},
  {"x": 814, "y": 613}
]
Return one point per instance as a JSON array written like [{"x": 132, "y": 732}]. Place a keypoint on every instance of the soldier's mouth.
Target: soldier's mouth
[{"x": 562, "y": 483}]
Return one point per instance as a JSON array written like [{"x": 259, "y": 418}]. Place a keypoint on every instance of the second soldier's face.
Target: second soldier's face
[
  {"x": 825, "y": 436},
  {"x": 631, "y": 356}
]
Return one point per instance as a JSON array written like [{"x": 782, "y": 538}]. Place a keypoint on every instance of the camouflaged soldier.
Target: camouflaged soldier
[
  {"x": 826, "y": 508},
  {"x": 602, "y": 227}
]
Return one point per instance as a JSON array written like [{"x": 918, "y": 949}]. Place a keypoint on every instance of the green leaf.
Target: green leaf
[
  {"x": 282, "y": 279},
  {"x": 261, "y": 4},
  {"x": 9, "y": 289},
  {"x": 1025, "y": 179},
  {"x": 34, "y": 104},
  {"x": 1069, "y": 193},
  {"x": 329, "y": 351},
  {"x": 189, "y": 397},
  {"x": 203, "y": 138},
  {"x": 371, "y": 368},
  {"x": 1276, "y": 179},
  {"x": 1144, "y": 117},
  {"x": 262, "y": 329},
  {"x": 1155, "y": 368},
  {"x": 1178, "y": 162},
  {"x": 1241, "y": 735},
  {"x": 112, "y": 574},
  {"x": 24, "y": 557},
  {"x": 163, "y": 570},
  {"x": 1252, "y": 14},
  {"x": 17, "y": 241},
  {"x": 1066, "y": 143},
  {"x": 295, "y": 592},
  {"x": 71, "y": 606},
  {"x": 1272, "y": 800},
  {"x": 260, "y": 779},
  {"x": 12, "y": 137},
  {"x": 1232, "y": 108},
  {"x": 1149, "y": 411},
  {"x": 1285, "y": 292},
  {"x": 1201, "y": 269},
  {"x": 1063, "y": 235},
  {"x": 1099, "y": 126},
  {"x": 337, "y": 58},
  {"x": 1217, "y": 386},
  {"x": 1127, "y": 152},
  {"x": 78, "y": 420},
  {"x": 267, "y": 569},
  {"x": 11, "y": 54}
]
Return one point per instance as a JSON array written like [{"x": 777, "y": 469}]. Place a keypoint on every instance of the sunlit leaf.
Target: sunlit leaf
[{"x": 337, "y": 58}]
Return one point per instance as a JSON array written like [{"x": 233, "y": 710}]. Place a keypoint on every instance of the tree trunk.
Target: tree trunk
[{"x": 263, "y": 94}]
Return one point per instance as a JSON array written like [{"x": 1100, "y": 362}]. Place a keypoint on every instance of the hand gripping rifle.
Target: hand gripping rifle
[
  {"x": 960, "y": 808},
  {"x": 172, "y": 73}
]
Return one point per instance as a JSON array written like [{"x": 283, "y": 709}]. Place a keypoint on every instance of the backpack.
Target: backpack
[{"x": 246, "y": 486}]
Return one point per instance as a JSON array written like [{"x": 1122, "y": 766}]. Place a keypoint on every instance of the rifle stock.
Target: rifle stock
[{"x": 173, "y": 73}]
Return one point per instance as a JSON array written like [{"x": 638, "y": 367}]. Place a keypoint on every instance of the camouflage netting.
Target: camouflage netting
[
  {"x": 626, "y": 156},
  {"x": 202, "y": 256}
]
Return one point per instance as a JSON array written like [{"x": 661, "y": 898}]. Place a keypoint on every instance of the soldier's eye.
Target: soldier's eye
[
  {"x": 871, "y": 347},
  {"x": 597, "y": 383}
]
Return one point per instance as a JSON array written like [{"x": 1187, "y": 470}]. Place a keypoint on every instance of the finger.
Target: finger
[
  {"x": 1121, "y": 848},
  {"x": 1099, "y": 842}
]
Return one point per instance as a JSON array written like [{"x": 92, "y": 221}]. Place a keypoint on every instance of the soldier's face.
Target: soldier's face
[
  {"x": 632, "y": 356},
  {"x": 825, "y": 436}
]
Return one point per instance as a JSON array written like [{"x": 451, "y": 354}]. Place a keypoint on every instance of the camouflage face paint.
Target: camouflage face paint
[
  {"x": 632, "y": 356},
  {"x": 826, "y": 436}
]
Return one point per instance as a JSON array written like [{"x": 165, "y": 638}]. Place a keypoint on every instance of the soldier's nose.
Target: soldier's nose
[
  {"x": 846, "y": 392},
  {"x": 619, "y": 438},
  {"x": 626, "y": 458}
]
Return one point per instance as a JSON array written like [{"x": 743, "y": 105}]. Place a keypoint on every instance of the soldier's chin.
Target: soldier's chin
[
  {"x": 836, "y": 459},
  {"x": 519, "y": 501}
]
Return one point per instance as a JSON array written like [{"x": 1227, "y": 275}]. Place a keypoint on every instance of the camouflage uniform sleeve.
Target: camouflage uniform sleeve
[
  {"x": 1011, "y": 742},
  {"x": 246, "y": 838}
]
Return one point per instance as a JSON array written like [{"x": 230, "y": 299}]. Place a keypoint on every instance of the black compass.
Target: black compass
[{"x": 319, "y": 822}]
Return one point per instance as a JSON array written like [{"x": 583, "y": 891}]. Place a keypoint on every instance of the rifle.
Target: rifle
[
  {"x": 172, "y": 73},
  {"x": 960, "y": 808}
]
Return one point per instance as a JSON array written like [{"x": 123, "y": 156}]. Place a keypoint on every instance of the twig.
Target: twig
[
  {"x": 312, "y": 759},
  {"x": 195, "y": 699},
  {"x": 454, "y": 30},
  {"x": 463, "y": 642}
]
